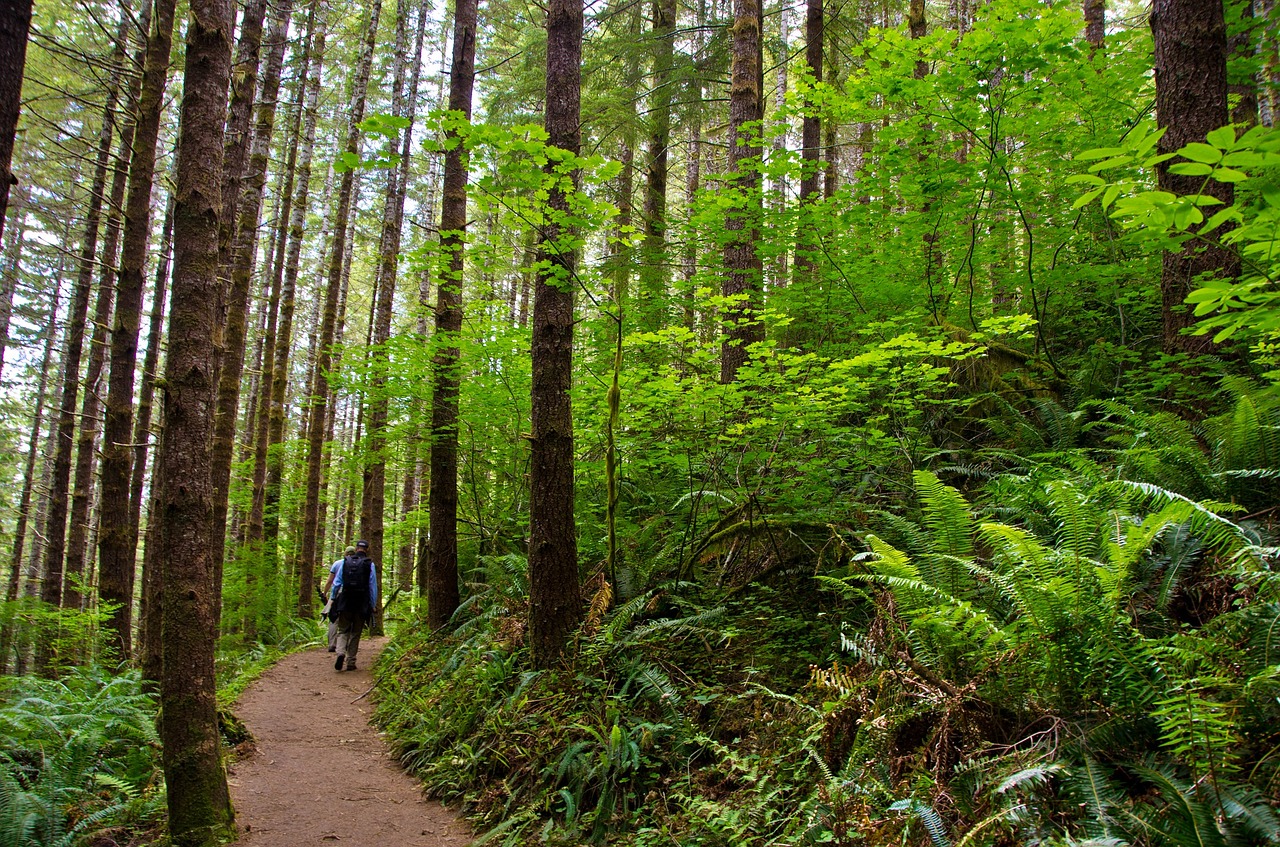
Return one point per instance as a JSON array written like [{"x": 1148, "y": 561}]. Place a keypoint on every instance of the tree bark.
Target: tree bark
[
  {"x": 199, "y": 804},
  {"x": 1191, "y": 100},
  {"x": 653, "y": 267},
  {"x": 288, "y": 299},
  {"x": 320, "y": 378},
  {"x": 117, "y": 535},
  {"x": 743, "y": 267},
  {"x": 555, "y": 605},
  {"x": 810, "y": 142},
  {"x": 1095, "y": 24},
  {"x": 15, "y": 22},
  {"x": 241, "y": 211},
  {"x": 78, "y": 311},
  {"x": 261, "y": 561},
  {"x": 29, "y": 469},
  {"x": 442, "y": 567}
]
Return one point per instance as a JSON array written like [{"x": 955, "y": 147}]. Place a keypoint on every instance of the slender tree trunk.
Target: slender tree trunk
[
  {"x": 742, "y": 260},
  {"x": 830, "y": 130},
  {"x": 146, "y": 391},
  {"x": 653, "y": 267},
  {"x": 320, "y": 380},
  {"x": 240, "y": 223},
  {"x": 1191, "y": 100},
  {"x": 117, "y": 537},
  {"x": 78, "y": 311},
  {"x": 199, "y": 804},
  {"x": 555, "y": 605},
  {"x": 15, "y": 22},
  {"x": 13, "y": 256},
  {"x": 90, "y": 408},
  {"x": 262, "y": 560},
  {"x": 288, "y": 299},
  {"x": 375, "y": 472},
  {"x": 1095, "y": 24},
  {"x": 810, "y": 144},
  {"x": 442, "y": 567},
  {"x": 29, "y": 469}
]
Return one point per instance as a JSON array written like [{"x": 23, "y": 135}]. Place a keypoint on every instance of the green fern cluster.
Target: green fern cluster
[
  {"x": 1071, "y": 649},
  {"x": 80, "y": 759}
]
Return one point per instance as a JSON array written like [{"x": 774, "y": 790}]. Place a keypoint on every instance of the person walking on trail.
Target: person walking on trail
[
  {"x": 355, "y": 589},
  {"x": 326, "y": 594}
]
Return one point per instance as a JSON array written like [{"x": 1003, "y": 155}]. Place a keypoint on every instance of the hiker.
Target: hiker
[
  {"x": 327, "y": 596},
  {"x": 355, "y": 588}
]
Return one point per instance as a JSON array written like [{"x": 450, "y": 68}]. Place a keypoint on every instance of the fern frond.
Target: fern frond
[{"x": 945, "y": 513}]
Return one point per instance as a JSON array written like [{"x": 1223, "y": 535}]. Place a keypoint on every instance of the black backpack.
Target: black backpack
[{"x": 354, "y": 596}]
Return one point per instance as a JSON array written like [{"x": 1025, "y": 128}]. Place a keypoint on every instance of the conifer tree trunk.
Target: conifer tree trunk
[
  {"x": 90, "y": 407},
  {"x": 810, "y": 140},
  {"x": 328, "y": 320},
  {"x": 146, "y": 391},
  {"x": 78, "y": 311},
  {"x": 15, "y": 22},
  {"x": 653, "y": 267},
  {"x": 442, "y": 565},
  {"x": 240, "y": 225},
  {"x": 261, "y": 559},
  {"x": 555, "y": 606},
  {"x": 288, "y": 299},
  {"x": 375, "y": 471},
  {"x": 117, "y": 538},
  {"x": 1191, "y": 100},
  {"x": 1095, "y": 23},
  {"x": 830, "y": 130},
  {"x": 742, "y": 261},
  {"x": 199, "y": 804},
  {"x": 29, "y": 470}
]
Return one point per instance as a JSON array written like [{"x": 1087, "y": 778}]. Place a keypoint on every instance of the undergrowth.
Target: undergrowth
[{"x": 1076, "y": 643}]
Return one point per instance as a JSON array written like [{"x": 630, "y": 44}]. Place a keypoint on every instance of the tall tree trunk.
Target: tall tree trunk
[
  {"x": 243, "y": 207},
  {"x": 555, "y": 606},
  {"x": 442, "y": 564},
  {"x": 29, "y": 469},
  {"x": 90, "y": 406},
  {"x": 810, "y": 142},
  {"x": 15, "y": 22},
  {"x": 653, "y": 267},
  {"x": 13, "y": 256},
  {"x": 320, "y": 380},
  {"x": 261, "y": 561},
  {"x": 199, "y": 804},
  {"x": 149, "y": 648},
  {"x": 117, "y": 538},
  {"x": 1191, "y": 100},
  {"x": 742, "y": 260},
  {"x": 288, "y": 299},
  {"x": 830, "y": 130},
  {"x": 1095, "y": 24},
  {"x": 374, "y": 483},
  {"x": 77, "y": 313}
]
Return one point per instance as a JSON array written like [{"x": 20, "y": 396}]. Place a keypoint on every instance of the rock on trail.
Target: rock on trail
[{"x": 321, "y": 775}]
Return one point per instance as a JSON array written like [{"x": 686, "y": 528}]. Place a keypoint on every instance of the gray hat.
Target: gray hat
[{"x": 350, "y": 551}]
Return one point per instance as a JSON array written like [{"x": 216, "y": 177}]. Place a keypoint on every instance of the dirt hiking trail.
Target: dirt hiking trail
[{"x": 321, "y": 775}]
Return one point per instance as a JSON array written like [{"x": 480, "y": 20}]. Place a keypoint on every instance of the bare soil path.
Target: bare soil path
[{"x": 321, "y": 775}]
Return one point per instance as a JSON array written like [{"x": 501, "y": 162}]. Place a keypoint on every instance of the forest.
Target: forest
[{"x": 847, "y": 422}]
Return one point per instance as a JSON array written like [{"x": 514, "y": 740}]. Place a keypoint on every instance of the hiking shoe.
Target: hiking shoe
[
  {"x": 351, "y": 666},
  {"x": 337, "y": 665}
]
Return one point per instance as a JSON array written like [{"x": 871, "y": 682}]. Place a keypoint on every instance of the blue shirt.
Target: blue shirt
[{"x": 373, "y": 580}]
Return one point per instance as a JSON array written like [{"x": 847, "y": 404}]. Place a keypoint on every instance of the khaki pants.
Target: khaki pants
[{"x": 350, "y": 625}]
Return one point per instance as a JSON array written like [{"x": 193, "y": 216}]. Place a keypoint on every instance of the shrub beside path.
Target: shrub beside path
[{"x": 320, "y": 773}]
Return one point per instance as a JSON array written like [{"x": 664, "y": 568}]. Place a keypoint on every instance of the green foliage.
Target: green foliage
[{"x": 81, "y": 759}]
